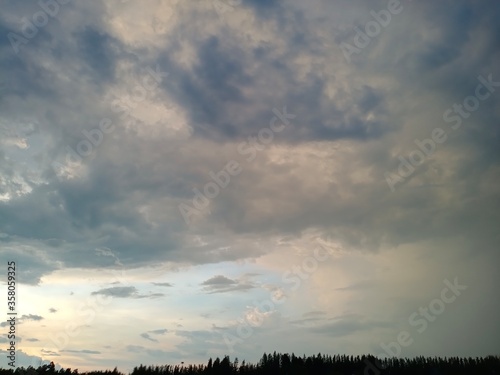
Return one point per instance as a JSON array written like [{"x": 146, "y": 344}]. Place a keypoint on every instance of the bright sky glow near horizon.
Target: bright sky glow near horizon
[{"x": 182, "y": 180}]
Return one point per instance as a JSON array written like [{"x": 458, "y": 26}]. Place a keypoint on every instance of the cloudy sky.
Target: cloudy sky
[{"x": 182, "y": 180}]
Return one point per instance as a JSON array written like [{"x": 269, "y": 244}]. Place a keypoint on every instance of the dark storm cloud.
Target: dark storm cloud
[
  {"x": 453, "y": 75},
  {"x": 222, "y": 69},
  {"x": 61, "y": 214},
  {"x": 212, "y": 90},
  {"x": 38, "y": 216}
]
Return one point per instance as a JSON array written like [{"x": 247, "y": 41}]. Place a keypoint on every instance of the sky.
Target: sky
[{"x": 182, "y": 180}]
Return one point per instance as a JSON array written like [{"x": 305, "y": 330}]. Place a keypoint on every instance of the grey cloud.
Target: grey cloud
[
  {"x": 125, "y": 292},
  {"x": 117, "y": 291},
  {"x": 148, "y": 337},
  {"x": 163, "y": 284},
  {"x": 159, "y": 331},
  {"x": 23, "y": 318},
  {"x": 222, "y": 284},
  {"x": 97, "y": 51},
  {"x": 218, "y": 280},
  {"x": 32, "y": 265},
  {"x": 150, "y": 295}
]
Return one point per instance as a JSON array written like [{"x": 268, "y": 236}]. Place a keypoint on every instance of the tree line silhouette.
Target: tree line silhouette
[{"x": 285, "y": 364}]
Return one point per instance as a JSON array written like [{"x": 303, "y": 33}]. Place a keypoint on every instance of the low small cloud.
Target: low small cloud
[
  {"x": 146, "y": 336},
  {"x": 52, "y": 310},
  {"x": 125, "y": 292},
  {"x": 150, "y": 295},
  {"x": 223, "y": 284},
  {"x": 164, "y": 284},
  {"x": 159, "y": 331},
  {"x": 117, "y": 291},
  {"x": 218, "y": 280},
  {"x": 31, "y": 317},
  {"x": 313, "y": 313}
]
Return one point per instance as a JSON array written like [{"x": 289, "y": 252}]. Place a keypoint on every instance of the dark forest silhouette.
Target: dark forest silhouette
[{"x": 285, "y": 364}]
